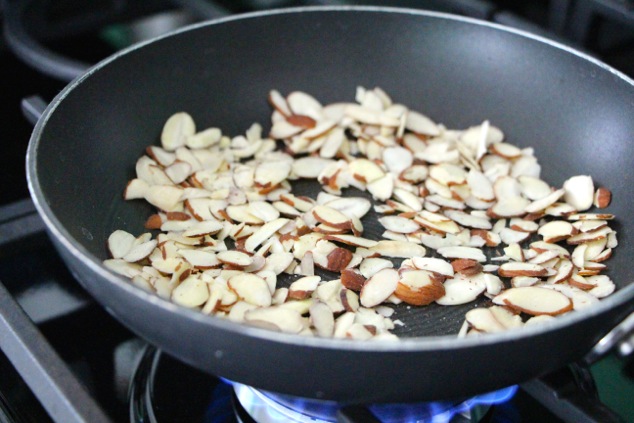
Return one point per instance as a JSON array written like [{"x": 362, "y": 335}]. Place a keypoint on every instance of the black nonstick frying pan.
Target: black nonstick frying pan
[{"x": 577, "y": 113}]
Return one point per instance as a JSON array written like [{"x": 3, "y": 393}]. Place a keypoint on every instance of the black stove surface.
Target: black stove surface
[{"x": 88, "y": 360}]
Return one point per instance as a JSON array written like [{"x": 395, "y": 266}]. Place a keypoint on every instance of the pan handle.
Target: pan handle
[
  {"x": 33, "y": 108},
  {"x": 622, "y": 334}
]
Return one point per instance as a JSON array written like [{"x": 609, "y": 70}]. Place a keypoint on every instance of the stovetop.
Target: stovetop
[{"x": 66, "y": 359}]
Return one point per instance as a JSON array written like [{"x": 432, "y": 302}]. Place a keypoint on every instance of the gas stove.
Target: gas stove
[{"x": 65, "y": 359}]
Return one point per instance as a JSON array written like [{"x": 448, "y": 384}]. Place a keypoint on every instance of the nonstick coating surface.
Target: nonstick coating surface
[{"x": 577, "y": 114}]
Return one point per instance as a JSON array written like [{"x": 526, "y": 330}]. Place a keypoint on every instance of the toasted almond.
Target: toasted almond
[
  {"x": 467, "y": 267},
  {"x": 419, "y": 287},
  {"x": 338, "y": 259},
  {"x": 353, "y": 279},
  {"x": 534, "y": 300}
]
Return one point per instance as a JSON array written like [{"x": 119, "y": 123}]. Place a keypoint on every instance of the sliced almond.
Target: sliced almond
[
  {"x": 419, "y": 287},
  {"x": 379, "y": 287},
  {"x": 579, "y": 192},
  {"x": 509, "y": 270},
  {"x": 264, "y": 233},
  {"x": 556, "y": 231},
  {"x": 534, "y": 301},
  {"x": 398, "y": 249},
  {"x": 251, "y": 288},
  {"x": 462, "y": 253},
  {"x": 602, "y": 198},
  {"x": 461, "y": 290},
  {"x": 303, "y": 288},
  {"x": 276, "y": 318},
  {"x": 322, "y": 319}
]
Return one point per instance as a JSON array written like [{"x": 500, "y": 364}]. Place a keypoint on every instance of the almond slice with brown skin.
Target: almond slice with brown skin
[
  {"x": 370, "y": 266},
  {"x": 545, "y": 202},
  {"x": 435, "y": 265},
  {"x": 400, "y": 249},
  {"x": 580, "y": 299},
  {"x": 338, "y": 259},
  {"x": 203, "y": 228},
  {"x": 355, "y": 241},
  {"x": 602, "y": 198},
  {"x": 604, "y": 286},
  {"x": 469, "y": 220},
  {"x": 235, "y": 258},
  {"x": 511, "y": 269},
  {"x": 556, "y": 230},
  {"x": 302, "y": 288},
  {"x": 419, "y": 287},
  {"x": 136, "y": 189},
  {"x": 379, "y": 287},
  {"x": 399, "y": 224},
  {"x": 535, "y": 301},
  {"x": 349, "y": 299},
  {"x": 589, "y": 236},
  {"x": 353, "y": 279},
  {"x": 467, "y": 267},
  {"x": 200, "y": 259},
  {"x": 462, "y": 252},
  {"x": 331, "y": 217}
]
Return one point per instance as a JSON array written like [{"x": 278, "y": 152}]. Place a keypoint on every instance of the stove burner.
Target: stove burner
[{"x": 266, "y": 407}]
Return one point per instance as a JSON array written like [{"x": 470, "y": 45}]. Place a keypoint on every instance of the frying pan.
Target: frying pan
[{"x": 577, "y": 113}]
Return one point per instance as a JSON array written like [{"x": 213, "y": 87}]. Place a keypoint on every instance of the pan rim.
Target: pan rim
[{"x": 405, "y": 344}]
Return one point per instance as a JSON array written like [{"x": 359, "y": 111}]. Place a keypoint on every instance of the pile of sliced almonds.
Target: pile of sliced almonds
[{"x": 231, "y": 227}]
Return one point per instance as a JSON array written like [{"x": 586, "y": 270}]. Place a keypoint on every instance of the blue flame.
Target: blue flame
[{"x": 284, "y": 408}]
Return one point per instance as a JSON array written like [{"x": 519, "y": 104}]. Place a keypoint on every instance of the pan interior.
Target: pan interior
[{"x": 576, "y": 114}]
